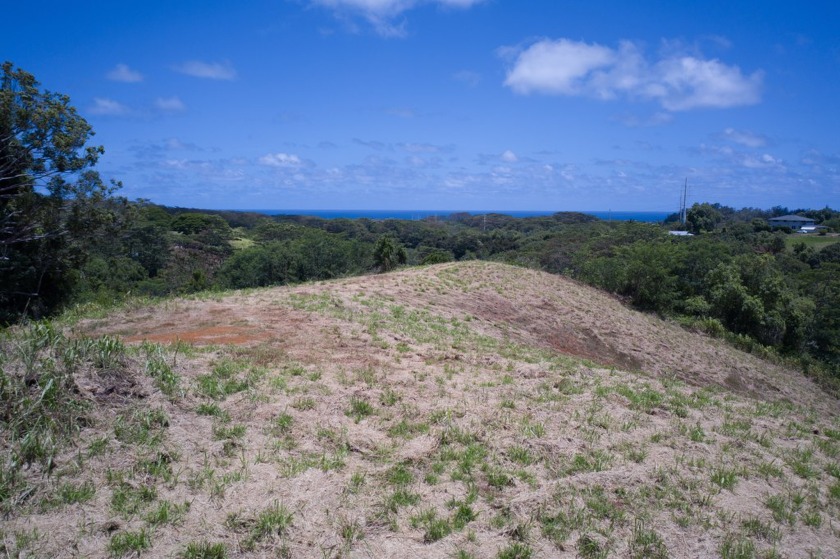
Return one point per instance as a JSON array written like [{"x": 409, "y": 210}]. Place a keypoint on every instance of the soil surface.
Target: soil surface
[{"x": 458, "y": 410}]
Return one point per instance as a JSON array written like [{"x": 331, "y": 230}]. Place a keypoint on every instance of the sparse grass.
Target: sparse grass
[
  {"x": 350, "y": 531},
  {"x": 644, "y": 400},
  {"x": 400, "y": 476},
  {"x": 273, "y": 522},
  {"x": 357, "y": 480},
  {"x": 213, "y": 410},
  {"x": 304, "y": 403},
  {"x": 167, "y": 513},
  {"x": 516, "y": 550},
  {"x": 496, "y": 476},
  {"x": 70, "y": 493},
  {"x": 737, "y": 547},
  {"x": 696, "y": 434},
  {"x": 40, "y": 405},
  {"x": 434, "y": 527},
  {"x": 594, "y": 461},
  {"x": 389, "y": 397},
  {"x": 400, "y": 498},
  {"x": 781, "y": 508},
  {"x": 769, "y": 469},
  {"x": 204, "y": 550},
  {"x": 558, "y": 526},
  {"x": 521, "y": 455},
  {"x": 159, "y": 369},
  {"x": 158, "y": 465},
  {"x": 283, "y": 423},
  {"x": 724, "y": 477},
  {"x": 128, "y": 500},
  {"x": 463, "y": 515},
  {"x": 232, "y": 432},
  {"x": 646, "y": 543},
  {"x": 141, "y": 427},
  {"x": 763, "y": 530},
  {"x": 496, "y": 415},
  {"x": 224, "y": 379},
  {"x": 800, "y": 461},
  {"x": 834, "y": 492},
  {"x": 123, "y": 543},
  {"x": 590, "y": 548},
  {"x": 406, "y": 429},
  {"x": 359, "y": 409}
]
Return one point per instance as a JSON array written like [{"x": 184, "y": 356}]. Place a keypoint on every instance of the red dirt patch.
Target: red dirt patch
[{"x": 226, "y": 335}]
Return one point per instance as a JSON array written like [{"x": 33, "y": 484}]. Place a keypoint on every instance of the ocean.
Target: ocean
[{"x": 649, "y": 217}]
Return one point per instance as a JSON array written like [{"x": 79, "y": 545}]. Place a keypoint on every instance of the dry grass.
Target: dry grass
[{"x": 460, "y": 410}]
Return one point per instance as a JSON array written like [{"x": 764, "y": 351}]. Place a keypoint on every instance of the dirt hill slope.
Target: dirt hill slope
[{"x": 461, "y": 410}]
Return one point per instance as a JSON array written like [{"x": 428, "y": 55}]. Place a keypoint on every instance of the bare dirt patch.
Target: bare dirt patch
[{"x": 222, "y": 335}]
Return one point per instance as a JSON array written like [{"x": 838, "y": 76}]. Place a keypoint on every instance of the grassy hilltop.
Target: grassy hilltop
[{"x": 467, "y": 409}]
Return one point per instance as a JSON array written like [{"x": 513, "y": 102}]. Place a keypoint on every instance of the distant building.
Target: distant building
[
  {"x": 813, "y": 228},
  {"x": 680, "y": 233},
  {"x": 795, "y": 222}
]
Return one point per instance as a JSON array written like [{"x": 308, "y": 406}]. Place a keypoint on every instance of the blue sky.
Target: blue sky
[{"x": 449, "y": 104}]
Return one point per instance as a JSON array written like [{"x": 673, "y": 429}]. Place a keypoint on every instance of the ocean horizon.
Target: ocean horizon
[{"x": 415, "y": 215}]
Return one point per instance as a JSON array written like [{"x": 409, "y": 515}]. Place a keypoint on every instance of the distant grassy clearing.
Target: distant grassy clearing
[{"x": 817, "y": 242}]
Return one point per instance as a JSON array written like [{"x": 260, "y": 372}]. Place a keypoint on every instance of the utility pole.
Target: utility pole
[{"x": 684, "y": 199}]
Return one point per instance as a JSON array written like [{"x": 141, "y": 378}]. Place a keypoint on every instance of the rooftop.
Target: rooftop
[{"x": 790, "y": 218}]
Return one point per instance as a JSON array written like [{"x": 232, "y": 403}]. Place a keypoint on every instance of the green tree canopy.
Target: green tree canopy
[
  {"x": 388, "y": 253},
  {"x": 52, "y": 201},
  {"x": 702, "y": 218}
]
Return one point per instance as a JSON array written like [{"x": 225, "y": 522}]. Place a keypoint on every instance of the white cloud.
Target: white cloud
[
  {"x": 556, "y": 66},
  {"x": 509, "y": 157},
  {"x": 745, "y": 138},
  {"x": 170, "y": 104},
  {"x": 122, "y": 73},
  {"x": 382, "y": 13},
  {"x": 765, "y": 161},
  {"x": 108, "y": 107},
  {"x": 677, "y": 82},
  {"x": 691, "y": 83},
  {"x": 209, "y": 70},
  {"x": 280, "y": 160}
]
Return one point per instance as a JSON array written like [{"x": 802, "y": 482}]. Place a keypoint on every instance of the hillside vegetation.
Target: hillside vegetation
[{"x": 468, "y": 409}]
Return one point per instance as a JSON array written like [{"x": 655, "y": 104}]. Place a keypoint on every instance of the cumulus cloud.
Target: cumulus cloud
[
  {"x": 677, "y": 82},
  {"x": 280, "y": 160},
  {"x": 170, "y": 104},
  {"x": 557, "y": 67},
  {"x": 208, "y": 70},
  {"x": 381, "y": 14},
  {"x": 108, "y": 107},
  {"x": 122, "y": 73}
]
